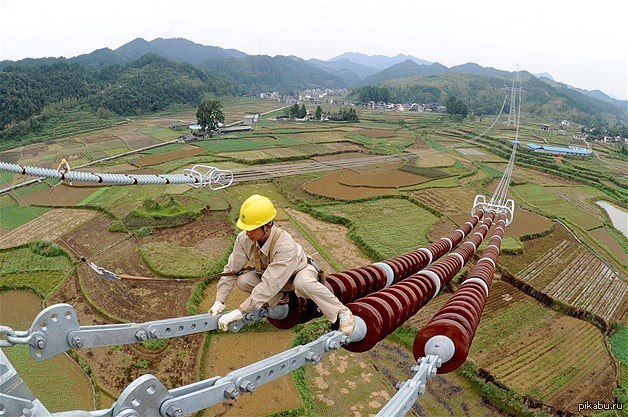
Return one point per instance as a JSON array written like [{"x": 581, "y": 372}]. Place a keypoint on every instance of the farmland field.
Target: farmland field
[{"x": 377, "y": 223}]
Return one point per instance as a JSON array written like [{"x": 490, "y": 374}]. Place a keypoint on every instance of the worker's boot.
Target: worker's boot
[{"x": 347, "y": 321}]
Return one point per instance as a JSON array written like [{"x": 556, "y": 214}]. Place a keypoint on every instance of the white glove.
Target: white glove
[
  {"x": 226, "y": 319},
  {"x": 216, "y": 308}
]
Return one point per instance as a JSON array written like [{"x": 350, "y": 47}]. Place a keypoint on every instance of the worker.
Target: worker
[
  {"x": 277, "y": 264},
  {"x": 64, "y": 168}
]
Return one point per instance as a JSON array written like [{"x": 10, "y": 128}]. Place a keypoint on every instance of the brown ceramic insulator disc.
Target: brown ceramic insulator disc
[
  {"x": 374, "y": 324},
  {"x": 351, "y": 288},
  {"x": 393, "y": 302},
  {"x": 372, "y": 279},
  {"x": 418, "y": 295},
  {"x": 474, "y": 306},
  {"x": 460, "y": 316},
  {"x": 396, "y": 267},
  {"x": 335, "y": 286},
  {"x": 406, "y": 302},
  {"x": 414, "y": 297},
  {"x": 298, "y": 310},
  {"x": 426, "y": 288},
  {"x": 385, "y": 310},
  {"x": 405, "y": 266},
  {"x": 378, "y": 275},
  {"x": 453, "y": 331},
  {"x": 360, "y": 281}
]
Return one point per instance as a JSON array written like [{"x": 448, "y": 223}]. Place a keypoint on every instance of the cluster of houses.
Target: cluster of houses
[
  {"x": 313, "y": 96},
  {"x": 381, "y": 105}
]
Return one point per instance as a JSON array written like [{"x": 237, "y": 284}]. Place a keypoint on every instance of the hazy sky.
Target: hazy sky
[{"x": 584, "y": 44}]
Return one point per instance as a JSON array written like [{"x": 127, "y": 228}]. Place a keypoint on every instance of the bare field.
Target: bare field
[
  {"x": 385, "y": 179},
  {"x": 48, "y": 227},
  {"x": 330, "y": 186},
  {"x": 136, "y": 140},
  {"x": 435, "y": 160},
  {"x": 58, "y": 196},
  {"x": 605, "y": 238},
  {"x": 334, "y": 238}
]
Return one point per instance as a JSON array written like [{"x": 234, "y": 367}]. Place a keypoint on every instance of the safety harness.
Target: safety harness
[{"x": 271, "y": 250}]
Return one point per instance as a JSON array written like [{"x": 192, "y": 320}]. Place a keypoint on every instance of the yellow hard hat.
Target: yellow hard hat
[
  {"x": 63, "y": 161},
  {"x": 255, "y": 212}
]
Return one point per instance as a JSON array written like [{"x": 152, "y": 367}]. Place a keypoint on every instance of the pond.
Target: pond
[{"x": 618, "y": 216}]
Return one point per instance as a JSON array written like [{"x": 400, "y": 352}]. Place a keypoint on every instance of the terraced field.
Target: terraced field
[{"x": 579, "y": 279}]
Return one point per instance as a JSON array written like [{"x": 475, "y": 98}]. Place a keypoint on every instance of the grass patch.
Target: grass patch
[
  {"x": 169, "y": 211},
  {"x": 93, "y": 196},
  {"x": 619, "y": 344},
  {"x": 14, "y": 216},
  {"x": 161, "y": 133},
  {"x": 171, "y": 260}
]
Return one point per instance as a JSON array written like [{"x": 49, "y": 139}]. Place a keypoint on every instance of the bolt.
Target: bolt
[
  {"x": 40, "y": 342},
  {"x": 28, "y": 412},
  {"x": 155, "y": 334},
  {"x": 247, "y": 386},
  {"x": 76, "y": 342},
  {"x": 422, "y": 389},
  {"x": 399, "y": 385},
  {"x": 334, "y": 345},
  {"x": 313, "y": 357},
  {"x": 174, "y": 411},
  {"x": 232, "y": 393},
  {"x": 141, "y": 335}
]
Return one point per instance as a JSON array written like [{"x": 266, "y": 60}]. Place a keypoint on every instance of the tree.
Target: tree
[
  {"x": 294, "y": 110},
  {"x": 319, "y": 113},
  {"x": 302, "y": 112},
  {"x": 208, "y": 115},
  {"x": 455, "y": 106}
]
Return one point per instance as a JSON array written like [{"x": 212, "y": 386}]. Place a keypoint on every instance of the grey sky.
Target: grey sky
[{"x": 583, "y": 44}]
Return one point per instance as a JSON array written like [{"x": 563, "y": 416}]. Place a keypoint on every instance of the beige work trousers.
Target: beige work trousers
[{"x": 305, "y": 284}]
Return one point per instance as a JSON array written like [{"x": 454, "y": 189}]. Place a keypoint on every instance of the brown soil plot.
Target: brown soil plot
[{"x": 169, "y": 156}]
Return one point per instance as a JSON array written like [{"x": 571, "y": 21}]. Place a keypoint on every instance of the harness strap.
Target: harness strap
[{"x": 271, "y": 249}]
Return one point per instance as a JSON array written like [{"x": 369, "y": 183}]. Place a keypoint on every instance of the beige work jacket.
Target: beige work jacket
[{"x": 288, "y": 258}]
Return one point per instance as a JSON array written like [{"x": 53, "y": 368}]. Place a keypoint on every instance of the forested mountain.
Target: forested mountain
[
  {"x": 485, "y": 95},
  {"x": 596, "y": 94},
  {"x": 180, "y": 50},
  {"x": 280, "y": 73},
  {"x": 360, "y": 71},
  {"x": 147, "y": 84}
]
